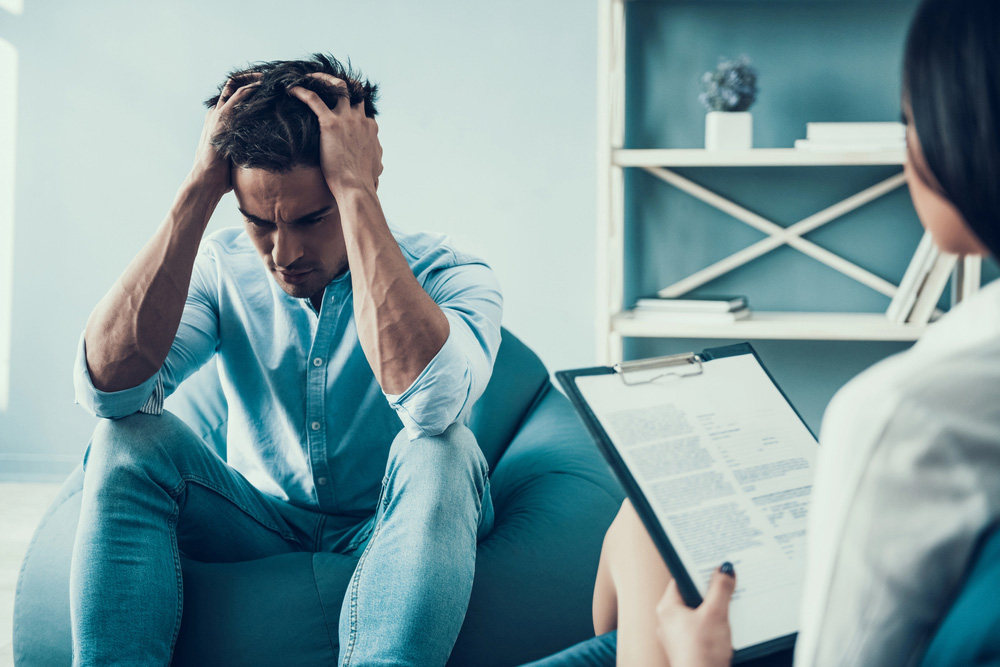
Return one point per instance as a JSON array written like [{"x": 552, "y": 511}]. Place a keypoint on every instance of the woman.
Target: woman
[{"x": 909, "y": 471}]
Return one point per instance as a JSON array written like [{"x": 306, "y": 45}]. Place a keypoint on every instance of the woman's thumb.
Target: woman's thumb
[{"x": 720, "y": 589}]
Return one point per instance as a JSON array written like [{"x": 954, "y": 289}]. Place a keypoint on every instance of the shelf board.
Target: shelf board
[
  {"x": 771, "y": 325},
  {"x": 757, "y": 157}
]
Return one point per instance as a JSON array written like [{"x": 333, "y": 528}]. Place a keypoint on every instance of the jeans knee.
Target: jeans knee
[
  {"x": 456, "y": 449},
  {"x": 139, "y": 443},
  {"x": 443, "y": 465}
]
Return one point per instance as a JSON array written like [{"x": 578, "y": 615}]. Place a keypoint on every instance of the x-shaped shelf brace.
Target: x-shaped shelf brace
[{"x": 777, "y": 235}]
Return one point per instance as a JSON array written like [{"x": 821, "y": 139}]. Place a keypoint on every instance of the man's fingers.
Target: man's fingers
[
  {"x": 237, "y": 96},
  {"x": 337, "y": 83},
  {"x": 330, "y": 79},
  {"x": 314, "y": 101},
  {"x": 227, "y": 91},
  {"x": 235, "y": 82},
  {"x": 720, "y": 590}
]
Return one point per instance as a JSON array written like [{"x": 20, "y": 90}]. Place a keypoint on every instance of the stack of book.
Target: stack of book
[
  {"x": 923, "y": 284},
  {"x": 853, "y": 137},
  {"x": 694, "y": 310}
]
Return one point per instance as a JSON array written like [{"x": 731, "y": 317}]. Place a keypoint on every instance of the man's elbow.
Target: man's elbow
[{"x": 434, "y": 417}]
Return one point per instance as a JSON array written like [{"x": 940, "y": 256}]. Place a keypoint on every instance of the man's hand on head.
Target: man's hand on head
[
  {"x": 211, "y": 170},
  {"x": 399, "y": 325},
  {"x": 350, "y": 153}
]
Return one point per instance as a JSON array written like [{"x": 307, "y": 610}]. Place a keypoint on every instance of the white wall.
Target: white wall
[{"x": 487, "y": 121}]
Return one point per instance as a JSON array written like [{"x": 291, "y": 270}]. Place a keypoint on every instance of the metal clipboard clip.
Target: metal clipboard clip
[{"x": 680, "y": 365}]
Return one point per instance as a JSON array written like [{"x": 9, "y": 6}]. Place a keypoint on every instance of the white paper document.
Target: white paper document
[{"x": 727, "y": 467}]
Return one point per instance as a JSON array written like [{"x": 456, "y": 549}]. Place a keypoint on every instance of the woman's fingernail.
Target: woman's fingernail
[{"x": 727, "y": 568}]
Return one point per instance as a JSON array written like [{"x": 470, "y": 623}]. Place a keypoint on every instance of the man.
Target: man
[{"x": 349, "y": 354}]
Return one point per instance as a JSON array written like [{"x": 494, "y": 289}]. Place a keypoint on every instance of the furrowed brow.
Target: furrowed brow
[{"x": 298, "y": 221}]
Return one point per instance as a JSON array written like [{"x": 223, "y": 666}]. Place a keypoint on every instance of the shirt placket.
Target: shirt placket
[{"x": 316, "y": 424}]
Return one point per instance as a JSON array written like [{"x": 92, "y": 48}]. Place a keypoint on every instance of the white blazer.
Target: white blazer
[{"x": 907, "y": 480}]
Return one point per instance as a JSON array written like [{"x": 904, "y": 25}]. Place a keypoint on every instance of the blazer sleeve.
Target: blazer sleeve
[{"x": 906, "y": 482}]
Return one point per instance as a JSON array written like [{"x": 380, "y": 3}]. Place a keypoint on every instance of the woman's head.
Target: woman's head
[{"x": 951, "y": 101}]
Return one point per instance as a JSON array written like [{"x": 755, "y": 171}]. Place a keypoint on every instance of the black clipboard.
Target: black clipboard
[{"x": 680, "y": 365}]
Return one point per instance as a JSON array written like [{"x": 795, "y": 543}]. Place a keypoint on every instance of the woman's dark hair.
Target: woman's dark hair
[
  {"x": 272, "y": 130},
  {"x": 951, "y": 80}
]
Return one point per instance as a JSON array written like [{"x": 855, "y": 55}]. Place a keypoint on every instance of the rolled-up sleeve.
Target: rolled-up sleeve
[
  {"x": 114, "y": 404},
  {"x": 469, "y": 295},
  {"x": 195, "y": 343}
]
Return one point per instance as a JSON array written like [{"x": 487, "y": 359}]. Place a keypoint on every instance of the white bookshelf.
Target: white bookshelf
[
  {"x": 615, "y": 321},
  {"x": 757, "y": 157},
  {"x": 771, "y": 325}
]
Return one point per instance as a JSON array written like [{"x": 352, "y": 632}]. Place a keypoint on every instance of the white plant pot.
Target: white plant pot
[{"x": 728, "y": 130}]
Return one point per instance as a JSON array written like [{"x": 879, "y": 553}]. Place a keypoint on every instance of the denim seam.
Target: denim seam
[
  {"x": 172, "y": 524},
  {"x": 479, "y": 523},
  {"x": 209, "y": 484},
  {"x": 485, "y": 469},
  {"x": 362, "y": 535},
  {"x": 356, "y": 578},
  {"x": 355, "y": 583}
]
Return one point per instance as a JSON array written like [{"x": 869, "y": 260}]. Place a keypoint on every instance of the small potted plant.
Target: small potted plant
[{"x": 728, "y": 93}]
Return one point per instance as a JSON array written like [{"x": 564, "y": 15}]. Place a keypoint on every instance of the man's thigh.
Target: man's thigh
[
  {"x": 153, "y": 463},
  {"x": 217, "y": 525}
]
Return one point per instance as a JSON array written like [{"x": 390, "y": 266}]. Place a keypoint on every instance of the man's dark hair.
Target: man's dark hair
[
  {"x": 271, "y": 129},
  {"x": 951, "y": 78}
]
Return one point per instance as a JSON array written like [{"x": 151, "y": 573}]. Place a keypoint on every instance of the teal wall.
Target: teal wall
[{"x": 817, "y": 61}]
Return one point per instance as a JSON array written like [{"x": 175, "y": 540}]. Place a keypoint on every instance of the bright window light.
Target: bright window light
[{"x": 8, "y": 111}]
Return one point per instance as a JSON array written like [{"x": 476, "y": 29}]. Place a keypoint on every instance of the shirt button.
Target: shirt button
[
  {"x": 317, "y": 361},
  {"x": 316, "y": 426},
  {"x": 321, "y": 481}
]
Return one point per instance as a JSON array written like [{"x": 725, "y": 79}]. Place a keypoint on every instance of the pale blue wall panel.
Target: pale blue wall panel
[{"x": 488, "y": 125}]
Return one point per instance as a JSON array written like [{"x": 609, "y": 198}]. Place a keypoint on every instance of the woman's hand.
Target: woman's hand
[{"x": 698, "y": 637}]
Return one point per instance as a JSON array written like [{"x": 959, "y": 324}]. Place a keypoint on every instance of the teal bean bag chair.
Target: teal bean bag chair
[
  {"x": 553, "y": 496},
  {"x": 969, "y": 635}
]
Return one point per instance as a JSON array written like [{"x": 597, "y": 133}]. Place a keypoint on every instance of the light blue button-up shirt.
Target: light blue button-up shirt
[{"x": 308, "y": 423}]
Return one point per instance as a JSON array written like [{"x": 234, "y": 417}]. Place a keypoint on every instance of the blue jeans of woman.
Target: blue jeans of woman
[{"x": 154, "y": 491}]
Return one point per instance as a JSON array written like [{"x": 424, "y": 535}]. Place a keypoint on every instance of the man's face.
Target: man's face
[{"x": 293, "y": 221}]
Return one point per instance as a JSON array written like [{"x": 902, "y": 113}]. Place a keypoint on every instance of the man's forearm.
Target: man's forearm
[
  {"x": 131, "y": 330},
  {"x": 400, "y": 327}
]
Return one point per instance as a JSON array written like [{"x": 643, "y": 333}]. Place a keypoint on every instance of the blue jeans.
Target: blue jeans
[
  {"x": 602, "y": 651},
  {"x": 153, "y": 491},
  {"x": 599, "y": 651}
]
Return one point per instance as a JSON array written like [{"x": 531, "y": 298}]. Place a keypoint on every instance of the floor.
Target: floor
[{"x": 21, "y": 507}]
